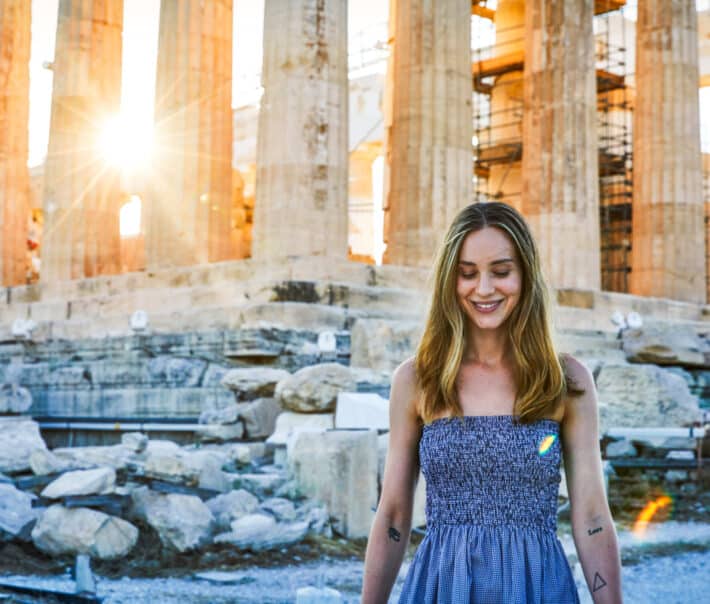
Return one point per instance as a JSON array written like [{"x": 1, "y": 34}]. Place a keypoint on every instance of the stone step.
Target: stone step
[{"x": 309, "y": 304}]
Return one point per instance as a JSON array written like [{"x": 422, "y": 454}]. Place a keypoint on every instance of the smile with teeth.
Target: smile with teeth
[{"x": 487, "y": 306}]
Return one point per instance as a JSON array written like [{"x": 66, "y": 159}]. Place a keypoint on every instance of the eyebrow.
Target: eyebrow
[{"x": 501, "y": 261}]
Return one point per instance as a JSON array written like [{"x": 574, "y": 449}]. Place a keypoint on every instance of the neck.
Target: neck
[{"x": 490, "y": 348}]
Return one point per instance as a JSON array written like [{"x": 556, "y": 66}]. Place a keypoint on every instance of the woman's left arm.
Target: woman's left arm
[{"x": 592, "y": 525}]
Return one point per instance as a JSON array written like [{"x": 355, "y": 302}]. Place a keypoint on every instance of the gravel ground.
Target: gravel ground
[{"x": 657, "y": 568}]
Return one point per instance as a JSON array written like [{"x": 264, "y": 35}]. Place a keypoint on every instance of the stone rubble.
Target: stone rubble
[{"x": 285, "y": 475}]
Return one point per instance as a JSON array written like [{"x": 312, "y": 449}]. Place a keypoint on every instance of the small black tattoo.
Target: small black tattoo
[
  {"x": 596, "y": 530},
  {"x": 598, "y": 582},
  {"x": 393, "y": 534}
]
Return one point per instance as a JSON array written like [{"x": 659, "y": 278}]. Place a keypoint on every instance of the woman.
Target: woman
[{"x": 488, "y": 409}]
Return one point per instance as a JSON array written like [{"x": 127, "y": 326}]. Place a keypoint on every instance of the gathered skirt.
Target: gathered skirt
[{"x": 489, "y": 564}]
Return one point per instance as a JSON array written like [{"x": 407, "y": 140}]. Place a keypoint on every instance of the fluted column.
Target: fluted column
[
  {"x": 14, "y": 105},
  {"x": 428, "y": 126},
  {"x": 189, "y": 206},
  {"x": 668, "y": 248},
  {"x": 560, "y": 193},
  {"x": 82, "y": 193},
  {"x": 302, "y": 143}
]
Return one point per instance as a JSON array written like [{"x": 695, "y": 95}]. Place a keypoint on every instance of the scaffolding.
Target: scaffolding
[
  {"x": 615, "y": 151},
  {"x": 497, "y": 126}
]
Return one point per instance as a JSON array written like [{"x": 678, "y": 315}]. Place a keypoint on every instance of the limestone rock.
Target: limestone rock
[
  {"x": 19, "y": 436},
  {"x": 82, "y": 482},
  {"x": 340, "y": 469},
  {"x": 244, "y": 453},
  {"x": 14, "y": 399},
  {"x": 383, "y": 344},
  {"x": 247, "y": 529},
  {"x": 60, "y": 530},
  {"x": 162, "y": 447},
  {"x": 644, "y": 396},
  {"x": 183, "y": 522},
  {"x": 135, "y": 441},
  {"x": 224, "y": 415},
  {"x": 174, "y": 467},
  {"x": 289, "y": 424},
  {"x": 76, "y": 458},
  {"x": 315, "y": 389},
  {"x": 250, "y": 383},
  {"x": 190, "y": 467},
  {"x": 261, "y": 532},
  {"x": 666, "y": 344},
  {"x": 17, "y": 516},
  {"x": 43, "y": 461},
  {"x": 621, "y": 448},
  {"x": 259, "y": 417},
  {"x": 220, "y": 432},
  {"x": 371, "y": 380},
  {"x": 362, "y": 410},
  {"x": 230, "y": 506},
  {"x": 260, "y": 484},
  {"x": 280, "y": 508},
  {"x": 315, "y": 595}
]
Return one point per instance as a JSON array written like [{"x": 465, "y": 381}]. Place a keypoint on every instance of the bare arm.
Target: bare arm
[
  {"x": 592, "y": 525},
  {"x": 391, "y": 527}
]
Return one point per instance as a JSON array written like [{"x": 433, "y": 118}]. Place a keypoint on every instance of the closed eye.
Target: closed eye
[{"x": 471, "y": 275}]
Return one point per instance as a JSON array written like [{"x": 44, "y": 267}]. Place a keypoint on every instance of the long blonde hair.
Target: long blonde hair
[{"x": 541, "y": 380}]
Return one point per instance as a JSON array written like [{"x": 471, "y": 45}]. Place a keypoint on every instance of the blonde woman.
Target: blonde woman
[{"x": 488, "y": 410}]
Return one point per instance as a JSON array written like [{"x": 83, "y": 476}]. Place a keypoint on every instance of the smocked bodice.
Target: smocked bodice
[{"x": 488, "y": 470}]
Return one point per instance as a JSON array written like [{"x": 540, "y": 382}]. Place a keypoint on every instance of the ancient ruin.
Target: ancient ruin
[{"x": 220, "y": 375}]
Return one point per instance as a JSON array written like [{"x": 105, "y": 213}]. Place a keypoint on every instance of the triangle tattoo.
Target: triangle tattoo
[{"x": 598, "y": 582}]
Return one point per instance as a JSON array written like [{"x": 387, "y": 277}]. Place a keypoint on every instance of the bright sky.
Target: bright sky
[{"x": 140, "y": 44}]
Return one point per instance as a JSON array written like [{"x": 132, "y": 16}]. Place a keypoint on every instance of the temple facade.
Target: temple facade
[{"x": 628, "y": 215}]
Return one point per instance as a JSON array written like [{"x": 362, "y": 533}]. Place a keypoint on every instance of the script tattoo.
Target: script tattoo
[
  {"x": 393, "y": 534},
  {"x": 598, "y": 582},
  {"x": 592, "y": 531}
]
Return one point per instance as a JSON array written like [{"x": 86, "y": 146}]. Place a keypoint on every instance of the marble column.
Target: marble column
[
  {"x": 82, "y": 190},
  {"x": 668, "y": 248},
  {"x": 301, "y": 206},
  {"x": 190, "y": 204},
  {"x": 14, "y": 106},
  {"x": 428, "y": 126},
  {"x": 560, "y": 186}
]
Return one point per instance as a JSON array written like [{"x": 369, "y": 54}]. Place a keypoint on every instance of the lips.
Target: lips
[{"x": 488, "y": 307}]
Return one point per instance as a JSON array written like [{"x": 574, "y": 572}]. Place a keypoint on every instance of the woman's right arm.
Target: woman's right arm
[{"x": 389, "y": 534}]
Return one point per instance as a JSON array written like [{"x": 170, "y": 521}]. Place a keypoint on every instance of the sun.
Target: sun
[{"x": 126, "y": 142}]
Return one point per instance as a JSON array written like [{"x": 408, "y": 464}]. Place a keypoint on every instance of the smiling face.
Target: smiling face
[{"x": 489, "y": 281}]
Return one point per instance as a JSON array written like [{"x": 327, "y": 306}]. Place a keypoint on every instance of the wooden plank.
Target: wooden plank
[
  {"x": 59, "y": 596},
  {"x": 169, "y": 487},
  {"x": 482, "y": 11},
  {"x": 606, "y": 6},
  {"x": 486, "y": 68},
  {"x": 653, "y": 462}
]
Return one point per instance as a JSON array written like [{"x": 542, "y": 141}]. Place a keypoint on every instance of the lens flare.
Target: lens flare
[
  {"x": 126, "y": 143},
  {"x": 546, "y": 444},
  {"x": 664, "y": 503}
]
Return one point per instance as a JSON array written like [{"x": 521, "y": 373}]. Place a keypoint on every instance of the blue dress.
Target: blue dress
[{"x": 491, "y": 512}]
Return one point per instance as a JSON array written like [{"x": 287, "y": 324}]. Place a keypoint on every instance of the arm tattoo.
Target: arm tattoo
[
  {"x": 592, "y": 531},
  {"x": 393, "y": 534},
  {"x": 598, "y": 582}
]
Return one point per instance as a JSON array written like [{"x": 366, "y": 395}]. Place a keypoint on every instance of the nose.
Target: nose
[{"x": 485, "y": 285}]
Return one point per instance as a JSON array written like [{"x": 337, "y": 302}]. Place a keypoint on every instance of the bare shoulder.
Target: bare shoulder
[
  {"x": 404, "y": 386},
  {"x": 578, "y": 371},
  {"x": 579, "y": 408}
]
